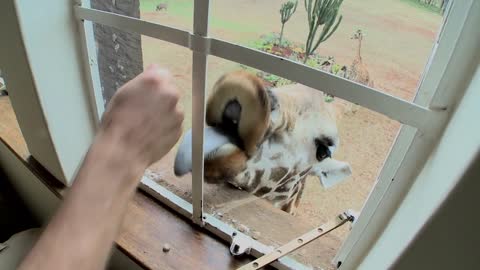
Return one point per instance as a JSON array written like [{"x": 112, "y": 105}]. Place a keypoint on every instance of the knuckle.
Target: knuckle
[
  {"x": 152, "y": 80},
  {"x": 180, "y": 116},
  {"x": 157, "y": 77},
  {"x": 171, "y": 97}
]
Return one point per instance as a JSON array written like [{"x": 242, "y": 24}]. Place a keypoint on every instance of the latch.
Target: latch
[{"x": 241, "y": 244}]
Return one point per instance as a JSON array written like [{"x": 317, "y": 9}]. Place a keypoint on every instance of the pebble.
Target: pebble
[
  {"x": 242, "y": 228},
  {"x": 166, "y": 248},
  {"x": 255, "y": 235}
]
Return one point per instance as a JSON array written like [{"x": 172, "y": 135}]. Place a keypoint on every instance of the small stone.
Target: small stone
[
  {"x": 114, "y": 37},
  {"x": 255, "y": 235},
  {"x": 166, "y": 248},
  {"x": 242, "y": 228},
  {"x": 234, "y": 221},
  {"x": 220, "y": 214},
  {"x": 112, "y": 69},
  {"x": 117, "y": 47}
]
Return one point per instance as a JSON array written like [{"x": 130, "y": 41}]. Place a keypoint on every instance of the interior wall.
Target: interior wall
[{"x": 450, "y": 240}]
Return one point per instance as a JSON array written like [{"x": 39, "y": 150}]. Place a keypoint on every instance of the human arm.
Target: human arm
[{"x": 140, "y": 125}]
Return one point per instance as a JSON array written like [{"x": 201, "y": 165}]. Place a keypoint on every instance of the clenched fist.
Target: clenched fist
[{"x": 142, "y": 118}]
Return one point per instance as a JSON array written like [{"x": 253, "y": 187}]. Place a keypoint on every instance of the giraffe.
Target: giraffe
[
  {"x": 161, "y": 6},
  {"x": 267, "y": 141},
  {"x": 358, "y": 70}
]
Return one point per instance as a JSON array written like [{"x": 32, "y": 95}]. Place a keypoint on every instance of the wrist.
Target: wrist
[{"x": 117, "y": 157}]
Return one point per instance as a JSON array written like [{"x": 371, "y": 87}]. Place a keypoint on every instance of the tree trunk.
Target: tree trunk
[{"x": 119, "y": 53}]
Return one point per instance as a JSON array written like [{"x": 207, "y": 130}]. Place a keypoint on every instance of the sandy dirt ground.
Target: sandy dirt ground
[{"x": 398, "y": 41}]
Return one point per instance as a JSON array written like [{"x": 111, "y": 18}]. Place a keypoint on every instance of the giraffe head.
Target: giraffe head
[
  {"x": 358, "y": 35},
  {"x": 253, "y": 133}
]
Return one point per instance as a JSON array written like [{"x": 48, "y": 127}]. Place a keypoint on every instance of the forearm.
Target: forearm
[{"x": 81, "y": 233}]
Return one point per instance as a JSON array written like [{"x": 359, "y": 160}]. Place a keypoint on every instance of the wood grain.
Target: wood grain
[{"x": 148, "y": 227}]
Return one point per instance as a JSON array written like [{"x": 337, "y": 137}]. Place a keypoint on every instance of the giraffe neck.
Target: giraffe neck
[{"x": 359, "y": 56}]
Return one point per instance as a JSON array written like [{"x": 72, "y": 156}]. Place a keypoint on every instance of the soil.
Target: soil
[{"x": 398, "y": 41}]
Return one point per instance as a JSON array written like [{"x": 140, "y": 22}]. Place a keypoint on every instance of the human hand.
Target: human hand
[{"x": 142, "y": 118}]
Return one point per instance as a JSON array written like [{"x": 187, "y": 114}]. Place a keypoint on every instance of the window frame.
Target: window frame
[{"x": 423, "y": 119}]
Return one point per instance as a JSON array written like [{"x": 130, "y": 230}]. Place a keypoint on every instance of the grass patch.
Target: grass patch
[
  {"x": 421, "y": 5},
  {"x": 184, "y": 10}
]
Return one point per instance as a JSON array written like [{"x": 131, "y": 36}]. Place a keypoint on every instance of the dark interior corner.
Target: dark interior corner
[{"x": 14, "y": 215}]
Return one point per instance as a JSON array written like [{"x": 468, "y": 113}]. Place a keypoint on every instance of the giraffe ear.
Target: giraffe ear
[{"x": 331, "y": 171}]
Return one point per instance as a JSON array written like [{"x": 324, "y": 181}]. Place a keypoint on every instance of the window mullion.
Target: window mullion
[
  {"x": 91, "y": 66},
  {"x": 199, "y": 76}
]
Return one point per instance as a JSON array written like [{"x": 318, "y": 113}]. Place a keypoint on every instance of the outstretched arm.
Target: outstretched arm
[{"x": 139, "y": 127}]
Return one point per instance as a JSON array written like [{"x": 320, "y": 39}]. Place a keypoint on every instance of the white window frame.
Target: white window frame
[{"x": 44, "y": 112}]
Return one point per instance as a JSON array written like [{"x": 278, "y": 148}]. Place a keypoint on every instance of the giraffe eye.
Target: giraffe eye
[{"x": 323, "y": 150}]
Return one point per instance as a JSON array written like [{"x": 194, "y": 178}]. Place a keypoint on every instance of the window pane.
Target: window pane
[
  {"x": 9, "y": 130},
  {"x": 390, "y": 52},
  {"x": 178, "y": 13},
  {"x": 121, "y": 57},
  {"x": 365, "y": 140}
]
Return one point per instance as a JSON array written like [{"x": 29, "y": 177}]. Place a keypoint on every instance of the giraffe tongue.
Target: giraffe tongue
[{"x": 213, "y": 139}]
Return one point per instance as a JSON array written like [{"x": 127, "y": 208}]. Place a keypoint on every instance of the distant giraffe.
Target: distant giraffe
[
  {"x": 358, "y": 70},
  {"x": 161, "y": 6}
]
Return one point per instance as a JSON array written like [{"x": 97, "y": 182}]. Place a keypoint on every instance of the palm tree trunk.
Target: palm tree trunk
[{"x": 119, "y": 53}]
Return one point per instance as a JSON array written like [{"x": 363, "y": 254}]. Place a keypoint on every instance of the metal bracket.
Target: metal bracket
[
  {"x": 241, "y": 244},
  {"x": 298, "y": 242}
]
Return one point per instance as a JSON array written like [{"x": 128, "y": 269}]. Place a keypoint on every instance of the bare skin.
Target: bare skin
[{"x": 141, "y": 124}]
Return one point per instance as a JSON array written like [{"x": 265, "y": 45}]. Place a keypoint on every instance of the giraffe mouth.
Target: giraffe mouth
[{"x": 213, "y": 140}]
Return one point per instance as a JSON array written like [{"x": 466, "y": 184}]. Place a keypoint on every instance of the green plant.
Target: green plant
[
  {"x": 430, "y": 6},
  {"x": 292, "y": 51},
  {"x": 286, "y": 12},
  {"x": 321, "y": 13}
]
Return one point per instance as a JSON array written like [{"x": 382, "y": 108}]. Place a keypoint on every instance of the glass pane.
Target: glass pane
[
  {"x": 251, "y": 198},
  {"x": 9, "y": 130},
  {"x": 389, "y": 53},
  {"x": 178, "y": 13},
  {"x": 121, "y": 57}
]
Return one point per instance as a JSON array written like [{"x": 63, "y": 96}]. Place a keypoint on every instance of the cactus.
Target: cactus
[
  {"x": 321, "y": 13},
  {"x": 286, "y": 11}
]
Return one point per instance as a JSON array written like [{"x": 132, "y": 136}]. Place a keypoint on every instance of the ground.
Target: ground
[{"x": 398, "y": 41}]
